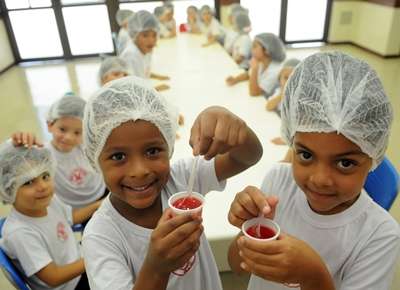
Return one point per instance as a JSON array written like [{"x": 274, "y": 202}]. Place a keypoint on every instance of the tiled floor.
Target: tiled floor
[{"x": 27, "y": 91}]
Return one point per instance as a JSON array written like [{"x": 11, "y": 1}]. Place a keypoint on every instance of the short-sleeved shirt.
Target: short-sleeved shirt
[
  {"x": 268, "y": 78},
  {"x": 114, "y": 248},
  {"x": 230, "y": 37},
  {"x": 34, "y": 242},
  {"x": 358, "y": 245},
  {"x": 138, "y": 62},
  {"x": 214, "y": 28},
  {"x": 242, "y": 48},
  {"x": 76, "y": 183}
]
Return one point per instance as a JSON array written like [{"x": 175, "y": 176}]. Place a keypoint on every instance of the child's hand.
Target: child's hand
[
  {"x": 230, "y": 81},
  {"x": 162, "y": 87},
  {"x": 249, "y": 203},
  {"x": 283, "y": 261},
  {"x": 25, "y": 139},
  {"x": 162, "y": 78},
  {"x": 215, "y": 131},
  {"x": 181, "y": 120},
  {"x": 173, "y": 242}
]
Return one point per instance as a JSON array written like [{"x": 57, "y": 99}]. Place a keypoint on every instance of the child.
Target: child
[
  {"x": 37, "y": 234},
  {"x": 76, "y": 184},
  {"x": 143, "y": 29},
  {"x": 241, "y": 49},
  {"x": 268, "y": 53},
  {"x": 134, "y": 242},
  {"x": 336, "y": 117},
  {"x": 168, "y": 19},
  {"x": 210, "y": 26},
  {"x": 112, "y": 68},
  {"x": 123, "y": 35},
  {"x": 193, "y": 20},
  {"x": 231, "y": 33},
  {"x": 159, "y": 14}
]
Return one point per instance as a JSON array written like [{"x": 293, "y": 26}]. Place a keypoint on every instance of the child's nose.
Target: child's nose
[
  {"x": 321, "y": 176},
  {"x": 138, "y": 168},
  {"x": 41, "y": 185}
]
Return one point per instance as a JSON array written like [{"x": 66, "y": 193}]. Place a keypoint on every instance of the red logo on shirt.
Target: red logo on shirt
[
  {"x": 77, "y": 176},
  {"x": 62, "y": 234},
  {"x": 185, "y": 268}
]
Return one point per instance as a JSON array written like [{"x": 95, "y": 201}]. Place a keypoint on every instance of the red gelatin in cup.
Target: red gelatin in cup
[
  {"x": 265, "y": 232},
  {"x": 187, "y": 203}
]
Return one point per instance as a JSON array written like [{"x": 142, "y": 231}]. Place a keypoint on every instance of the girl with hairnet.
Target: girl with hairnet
[
  {"x": 193, "y": 20},
  {"x": 231, "y": 33},
  {"x": 241, "y": 48},
  {"x": 210, "y": 26},
  {"x": 143, "y": 29},
  {"x": 268, "y": 52},
  {"x": 336, "y": 118},
  {"x": 168, "y": 18},
  {"x": 123, "y": 35},
  {"x": 159, "y": 14},
  {"x": 37, "y": 234},
  {"x": 134, "y": 241},
  {"x": 112, "y": 68}
]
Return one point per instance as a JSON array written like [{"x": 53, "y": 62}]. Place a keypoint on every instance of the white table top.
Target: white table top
[{"x": 198, "y": 81}]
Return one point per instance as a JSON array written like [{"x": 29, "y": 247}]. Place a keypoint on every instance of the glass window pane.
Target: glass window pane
[
  {"x": 40, "y": 3},
  {"x": 36, "y": 33},
  {"x": 88, "y": 29},
  {"x": 86, "y": 74},
  {"x": 70, "y": 2},
  {"x": 264, "y": 17},
  {"x": 307, "y": 25},
  {"x": 16, "y": 4}
]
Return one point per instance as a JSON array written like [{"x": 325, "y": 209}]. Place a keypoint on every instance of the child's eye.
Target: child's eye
[
  {"x": 346, "y": 164},
  {"x": 304, "y": 155},
  {"x": 30, "y": 182},
  {"x": 118, "y": 156},
  {"x": 62, "y": 129},
  {"x": 78, "y": 133},
  {"x": 46, "y": 176},
  {"x": 153, "y": 151}
]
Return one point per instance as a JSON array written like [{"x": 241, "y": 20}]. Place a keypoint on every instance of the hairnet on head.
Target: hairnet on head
[
  {"x": 19, "y": 165},
  {"x": 158, "y": 11},
  {"x": 273, "y": 45},
  {"x": 237, "y": 8},
  {"x": 206, "y": 9},
  {"x": 123, "y": 15},
  {"x": 169, "y": 7},
  {"x": 291, "y": 62},
  {"x": 142, "y": 21},
  {"x": 112, "y": 64},
  {"x": 126, "y": 99},
  {"x": 241, "y": 22},
  {"x": 67, "y": 106},
  {"x": 334, "y": 92},
  {"x": 192, "y": 8}
]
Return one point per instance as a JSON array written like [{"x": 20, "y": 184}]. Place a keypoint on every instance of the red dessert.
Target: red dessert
[
  {"x": 265, "y": 232},
  {"x": 187, "y": 203}
]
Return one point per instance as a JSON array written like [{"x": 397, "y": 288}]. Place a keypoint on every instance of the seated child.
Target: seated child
[
  {"x": 336, "y": 117},
  {"x": 159, "y": 14},
  {"x": 230, "y": 33},
  {"x": 143, "y": 29},
  {"x": 112, "y": 68},
  {"x": 168, "y": 18},
  {"x": 133, "y": 241},
  {"x": 76, "y": 183},
  {"x": 123, "y": 35},
  {"x": 241, "y": 49},
  {"x": 37, "y": 234},
  {"x": 210, "y": 26},
  {"x": 193, "y": 20},
  {"x": 268, "y": 52}
]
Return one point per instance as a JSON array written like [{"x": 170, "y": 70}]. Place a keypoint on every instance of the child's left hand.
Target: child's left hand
[
  {"x": 283, "y": 261},
  {"x": 162, "y": 78},
  {"x": 215, "y": 131},
  {"x": 25, "y": 139},
  {"x": 162, "y": 87}
]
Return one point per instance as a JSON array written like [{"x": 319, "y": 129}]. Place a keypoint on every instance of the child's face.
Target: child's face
[
  {"x": 169, "y": 16},
  {"x": 135, "y": 163},
  {"x": 284, "y": 75},
  {"x": 35, "y": 195},
  {"x": 67, "y": 133},
  {"x": 114, "y": 75},
  {"x": 258, "y": 51},
  {"x": 192, "y": 15},
  {"x": 206, "y": 17},
  {"x": 146, "y": 41},
  {"x": 330, "y": 169}
]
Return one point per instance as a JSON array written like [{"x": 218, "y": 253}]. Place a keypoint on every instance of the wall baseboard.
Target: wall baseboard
[{"x": 365, "y": 48}]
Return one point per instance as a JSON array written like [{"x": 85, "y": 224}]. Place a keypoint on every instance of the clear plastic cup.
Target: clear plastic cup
[
  {"x": 184, "y": 195},
  {"x": 263, "y": 222}
]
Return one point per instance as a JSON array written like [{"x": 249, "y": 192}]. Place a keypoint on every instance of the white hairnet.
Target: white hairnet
[
  {"x": 122, "y": 15},
  {"x": 142, "y": 21},
  {"x": 67, "y": 106},
  {"x": 158, "y": 11},
  {"x": 206, "y": 9},
  {"x": 126, "y": 99},
  {"x": 19, "y": 165},
  {"x": 192, "y": 8},
  {"x": 237, "y": 8},
  {"x": 112, "y": 64},
  {"x": 241, "y": 22},
  {"x": 273, "y": 45},
  {"x": 291, "y": 62},
  {"x": 169, "y": 6},
  {"x": 334, "y": 92}
]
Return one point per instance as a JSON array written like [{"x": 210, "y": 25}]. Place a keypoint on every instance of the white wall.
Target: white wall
[{"x": 6, "y": 56}]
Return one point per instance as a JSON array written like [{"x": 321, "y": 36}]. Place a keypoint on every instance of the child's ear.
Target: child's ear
[{"x": 49, "y": 125}]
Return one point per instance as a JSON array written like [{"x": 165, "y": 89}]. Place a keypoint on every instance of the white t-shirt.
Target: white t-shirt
[
  {"x": 76, "y": 183},
  {"x": 138, "y": 62},
  {"x": 242, "y": 47},
  {"x": 114, "y": 248},
  {"x": 34, "y": 242},
  {"x": 123, "y": 39},
  {"x": 164, "y": 32},
  {"x": 214, "y": 28},
  {"x": 359, "y": 245},
  {"x": 268, "y": 78},
  {"x": 230, "y": 37}
]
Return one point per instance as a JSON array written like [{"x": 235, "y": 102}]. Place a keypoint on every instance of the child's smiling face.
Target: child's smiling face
[
  {"x": 330, "y": 169},
  {"x": 146, "y": 41},
  {"x": 135, "y": 163}
]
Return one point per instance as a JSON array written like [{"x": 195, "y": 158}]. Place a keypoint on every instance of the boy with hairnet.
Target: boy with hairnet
[
  {"x": 123, "y": 35},
  {"x": 241, "y": 49},
  {"x": 143, "y": 29},
  {"x": 112, "y": 68},
  {"x": 268, "y": 52},
  {"x": 75, "y": 182},
  {"x": 210, "y": 26},
  {"x": 336, "y": 117},
  {"x": 134, "y": 241},
  {"x": 37, "y": 233}
]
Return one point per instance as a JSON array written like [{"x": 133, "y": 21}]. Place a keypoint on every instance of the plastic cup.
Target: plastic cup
[
  {"x": 263, "y": 222},
  {"x": 173, "y": 201}
]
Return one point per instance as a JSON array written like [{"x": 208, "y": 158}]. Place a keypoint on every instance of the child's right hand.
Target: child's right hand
[
  {"x": 230, "y": 81},
  {"x": 173, "y": 242},
  {"x": 249, "y": 203},
  {"x": 162, "y": 87},
  {"x": 25, "y": 139}
]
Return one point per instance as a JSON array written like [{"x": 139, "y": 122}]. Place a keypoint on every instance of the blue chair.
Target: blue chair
[
  {"x": 383, "y": 184},
  {"x": 10, "y": 271}
]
